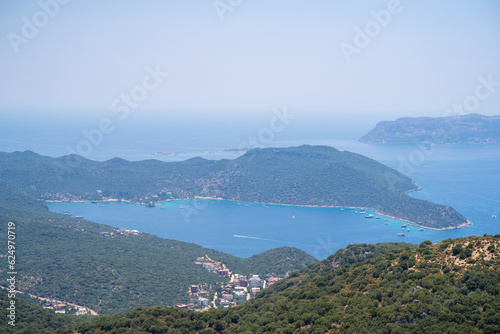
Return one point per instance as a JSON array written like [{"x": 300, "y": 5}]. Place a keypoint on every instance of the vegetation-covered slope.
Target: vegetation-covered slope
[
  {"x": 466, "y": 129},
  {"x": 31, "y": 318},
  {"x": 324, "y": 176},
  {"x": 306, "y": 175},
  {"x": 451, "y": 287},
  {"x": 66, "y": 258},
  {"x": 278, "y": 261}
]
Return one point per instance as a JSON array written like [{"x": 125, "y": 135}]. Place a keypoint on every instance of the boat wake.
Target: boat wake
[{"x": 272, "y": 240}]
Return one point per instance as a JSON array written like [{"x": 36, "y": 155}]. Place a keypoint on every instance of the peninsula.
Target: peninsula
[{"x": 305, "y": 175}]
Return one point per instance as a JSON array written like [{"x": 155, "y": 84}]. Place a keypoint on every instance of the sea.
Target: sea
[{"x": 466, "y": 177}]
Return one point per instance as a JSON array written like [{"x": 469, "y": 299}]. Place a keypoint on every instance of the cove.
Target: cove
[{"x": 245, "y": 229}]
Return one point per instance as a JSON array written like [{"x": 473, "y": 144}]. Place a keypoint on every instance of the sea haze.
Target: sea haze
[{"x": 139, "y": 137}]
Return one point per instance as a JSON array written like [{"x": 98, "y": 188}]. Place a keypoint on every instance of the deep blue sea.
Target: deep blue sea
[{"x": 466, "y": 177}]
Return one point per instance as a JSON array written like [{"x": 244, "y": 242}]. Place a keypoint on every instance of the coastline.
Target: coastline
[
  {"x": 109, "y": 200},
  {"x": 468, "y": 223}
]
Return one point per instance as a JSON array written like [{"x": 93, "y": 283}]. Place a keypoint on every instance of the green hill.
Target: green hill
[
  {"x": 305, "y": 175},
  {"x": 30, "y": 318},
  {"x": 450, "y": 287},
  {"x": 66, "y": 258},
  {"x": 278, "y": 261}
]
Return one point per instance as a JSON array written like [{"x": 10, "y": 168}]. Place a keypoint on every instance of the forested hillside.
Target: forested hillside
[
  {"x": 306, "y": 175},
  {"x": 66, "y": 258},
  {"x": 450, "y": 287},
  {"x": 33, "y": 319}
]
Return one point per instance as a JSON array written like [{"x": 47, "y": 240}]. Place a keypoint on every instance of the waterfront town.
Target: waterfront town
[{"x": 237, "y": 291}]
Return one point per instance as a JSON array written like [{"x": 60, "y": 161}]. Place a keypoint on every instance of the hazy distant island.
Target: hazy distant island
[
  {"x": 305, "y": 175},
  {"x": 466, "y": 129},
  {"x": 230, "y": 150}
]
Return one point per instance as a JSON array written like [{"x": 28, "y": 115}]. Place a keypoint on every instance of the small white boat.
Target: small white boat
[
  {"x": 421, "y": 229},
  {"x": 401, "y": 234}
]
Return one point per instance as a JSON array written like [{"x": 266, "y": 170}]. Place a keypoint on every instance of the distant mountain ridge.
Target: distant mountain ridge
[
  {"x": 305, "y": 175},
  {"x": 466, "y": 129}
]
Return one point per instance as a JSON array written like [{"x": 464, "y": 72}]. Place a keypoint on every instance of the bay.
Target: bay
[
  {"x": 245, "y": 229},
  {"x": 467, "y": 177}
]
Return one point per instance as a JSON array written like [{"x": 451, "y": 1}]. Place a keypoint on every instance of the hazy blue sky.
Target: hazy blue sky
[{"x": 249, "y": 57}]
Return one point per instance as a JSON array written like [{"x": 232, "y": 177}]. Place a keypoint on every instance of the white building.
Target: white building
[
  {"x": 254, "y": 280},
  {"x": 240, "y": 295}
]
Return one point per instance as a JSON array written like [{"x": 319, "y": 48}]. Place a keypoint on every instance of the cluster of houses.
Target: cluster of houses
[
  {"x": 216, "y": 267},
  {"x": 127, "y": 232},
  {"x": 63, "y": 308},
  {"x": 239, "y": 289},
  {"x": 122, "y": 231}
]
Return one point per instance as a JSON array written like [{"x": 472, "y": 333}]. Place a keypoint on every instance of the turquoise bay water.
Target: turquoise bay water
[
  {"x": 245, "y": 229},
  {"x": 467, "y": 177}
]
